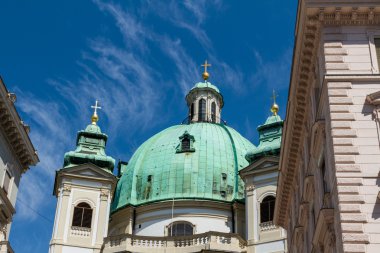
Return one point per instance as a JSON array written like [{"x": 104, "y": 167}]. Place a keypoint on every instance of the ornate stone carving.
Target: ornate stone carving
[
  {"x": 250, "y": 188},
  {"x": 104, "y": 194},
  {"x": 66, "y": 189}
]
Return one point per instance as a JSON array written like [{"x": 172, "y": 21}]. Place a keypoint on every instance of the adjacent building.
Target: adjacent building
[
  {"x": 16, "y": 155},
  {"x": 328, "y": 185}
]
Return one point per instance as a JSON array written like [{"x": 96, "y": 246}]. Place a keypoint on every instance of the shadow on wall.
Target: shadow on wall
[
  {"x": 376, "y": 208},
  {"x": 366, "y": 110}
]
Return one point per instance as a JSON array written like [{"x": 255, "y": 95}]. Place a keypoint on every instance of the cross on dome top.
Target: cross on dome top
[
  {"x": 95, "y": 117},
  {"x": 205, "y": 74},
  {"x": 275, "y": 108}
]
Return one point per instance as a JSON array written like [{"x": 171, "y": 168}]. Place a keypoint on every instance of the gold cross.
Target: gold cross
[{"x": 206, "y": 65}]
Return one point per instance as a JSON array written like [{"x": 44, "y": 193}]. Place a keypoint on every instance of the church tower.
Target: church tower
[
  {"x": 260, "y": 178},
  {"x": 84, "y": 189}
]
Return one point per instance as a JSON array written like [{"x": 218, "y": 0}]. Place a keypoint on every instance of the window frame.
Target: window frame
[
  {"x": 169, "y": 231},
  {"x": 372, "y": 35},
  {"x": 76, "y": 207},
  {"x": 271, "y": 212}
]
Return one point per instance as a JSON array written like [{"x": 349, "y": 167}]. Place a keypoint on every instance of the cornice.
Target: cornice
[
  {"x": 312, "y": 15},
  {"x": 15, "y": 130}
]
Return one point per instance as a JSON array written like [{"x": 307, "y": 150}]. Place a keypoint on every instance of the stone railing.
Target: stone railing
[
  {"x": 80, "y": 231},
  {"x": 267, "y": 226},
  {"x": 195, "y": 243}
]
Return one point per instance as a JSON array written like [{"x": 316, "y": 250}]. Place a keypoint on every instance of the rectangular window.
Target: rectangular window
[{"x": 7, "y": 181}]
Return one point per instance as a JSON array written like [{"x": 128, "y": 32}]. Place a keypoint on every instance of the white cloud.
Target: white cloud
[
  {"x": 271, "y": 73},
  {"x": 49, "y": 132}
]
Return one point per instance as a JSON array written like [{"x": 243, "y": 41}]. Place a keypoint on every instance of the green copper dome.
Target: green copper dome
[
  {"x": 270, "y": 139},
  {"x": 193, "y": 161}
]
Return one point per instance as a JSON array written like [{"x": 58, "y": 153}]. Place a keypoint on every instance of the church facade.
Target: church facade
[
  {"x": 328, "y": 187},
  {"x": 195, "y": 187}
]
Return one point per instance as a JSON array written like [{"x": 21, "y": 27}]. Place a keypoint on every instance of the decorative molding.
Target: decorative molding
[
  {"x": 66, "y": 189},
  {"x": 249, "y": 188},
  {"x": 16, "y": 131}
]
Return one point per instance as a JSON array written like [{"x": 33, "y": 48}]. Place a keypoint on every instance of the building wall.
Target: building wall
[
  {"x": 156, "y": 223},
  {"x": 329, "y": 176},
  {"x": 8, "y": 161},
  {"x": 154, "y": 219}
]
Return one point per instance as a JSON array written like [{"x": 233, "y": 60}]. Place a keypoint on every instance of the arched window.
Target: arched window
[
  {"x": 267, "y": 209},
  {"x": 202, "y": 110},
  {"x": 213, "y": 112},
  {"x": 82, "y": 215},
  {"x": 180, "y": 228}
]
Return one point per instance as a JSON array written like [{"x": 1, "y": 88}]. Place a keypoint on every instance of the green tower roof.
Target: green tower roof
[
  {"x": 91, "y": 144},
  {"x": 206, "y": 84},
  {"x": 205, "y": 167},
  {"x": 270, "y": 139}
]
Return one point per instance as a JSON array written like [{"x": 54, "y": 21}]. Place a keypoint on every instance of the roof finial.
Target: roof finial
[
  {"x": 275, "y": 108},
  {"x": 95, "y": 117},
  {"x": 205, "y": 74}
]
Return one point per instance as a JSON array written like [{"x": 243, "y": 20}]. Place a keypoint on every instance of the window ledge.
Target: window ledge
[
  {"x": 267, "y": 226},
  {"x": 80, "y": 231}
]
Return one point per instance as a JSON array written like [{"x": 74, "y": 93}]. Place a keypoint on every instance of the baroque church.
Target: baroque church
[
  {"x": 310, "y": 185},
  {"x": 195, "y": 187}
]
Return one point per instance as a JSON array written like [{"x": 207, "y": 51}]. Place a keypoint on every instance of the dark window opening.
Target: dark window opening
[
  {"x": 267, "y": 209},
  {"x": 185, "y": 144},
  {"x": 82, "y": 215},
  {"x": 213, "y": 112},
  {"x": 202, "y": 110},
  {"x": 323, "y": 172},
  {"x": 192, "y": 111},
  {"x": 180, "y": 229},
  {"x": 224, "y": 176},
  {"x": 149, "y": 178}
]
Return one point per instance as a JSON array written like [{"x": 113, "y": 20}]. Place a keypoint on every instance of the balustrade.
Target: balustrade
[{"x": 210, "y": 240}]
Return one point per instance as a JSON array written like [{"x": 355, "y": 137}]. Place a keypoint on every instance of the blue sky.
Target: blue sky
[{"x": 139, "y": 58}]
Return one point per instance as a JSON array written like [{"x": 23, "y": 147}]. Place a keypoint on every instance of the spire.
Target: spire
[
  {"x": 205, "y": 74},
  {"x": 95, "y": 117},
  {"x": 275, "y": 108}
]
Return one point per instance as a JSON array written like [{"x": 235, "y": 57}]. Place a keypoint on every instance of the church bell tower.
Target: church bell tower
[{"x": 84, "y": 189}]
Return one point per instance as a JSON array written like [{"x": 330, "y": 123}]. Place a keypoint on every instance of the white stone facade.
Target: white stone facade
[
  {"x": 16, "y": 155},
  {"x": 88, "y": 184},
  {"x": 260, "y": 180},
  {"x": 329, "y": 169}
]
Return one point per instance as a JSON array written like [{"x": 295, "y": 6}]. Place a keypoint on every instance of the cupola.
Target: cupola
[
  {"x": 91, "y": 144},
  {"x": 204, "y": 100},
  {"x": 270, "y": 136}
]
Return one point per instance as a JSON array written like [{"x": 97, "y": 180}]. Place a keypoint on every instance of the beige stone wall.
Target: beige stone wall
[
  {"x": 355, "y": 139},
  {"x": 329, "y": 167}
]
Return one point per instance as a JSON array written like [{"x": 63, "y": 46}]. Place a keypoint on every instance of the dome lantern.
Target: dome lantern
[{"x": 204, "y": 100}]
